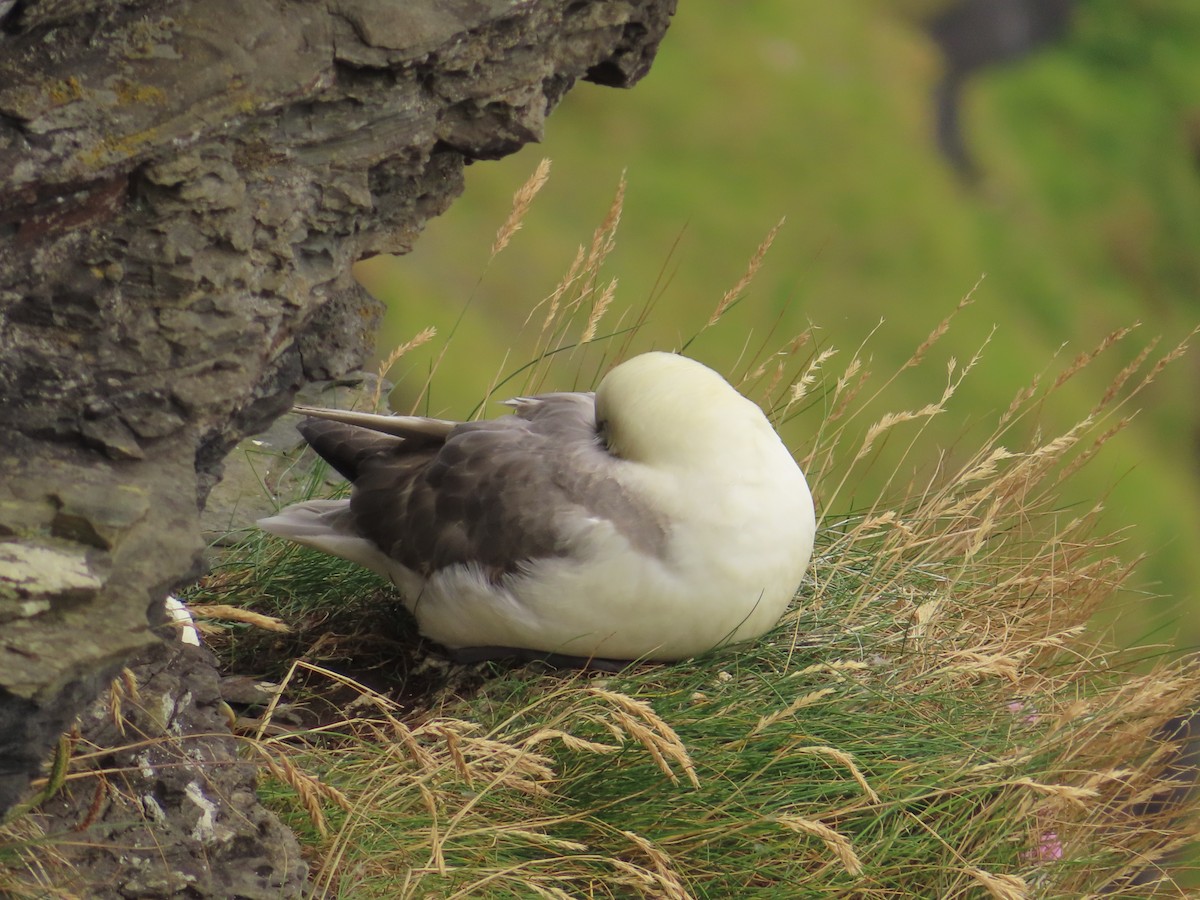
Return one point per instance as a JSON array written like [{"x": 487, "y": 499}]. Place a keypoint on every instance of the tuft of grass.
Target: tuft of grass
[{"x": 935, "y": 716}]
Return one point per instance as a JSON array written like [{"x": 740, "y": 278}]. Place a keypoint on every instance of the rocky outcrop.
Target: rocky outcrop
[
  {"x": 183, "y": 187},
  {"x": 170, "y": 809}
]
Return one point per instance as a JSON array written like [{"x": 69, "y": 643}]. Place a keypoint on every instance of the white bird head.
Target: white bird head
[{"x": 664, "y": 409}]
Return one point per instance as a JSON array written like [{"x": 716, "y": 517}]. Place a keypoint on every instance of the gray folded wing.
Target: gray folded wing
[{"x": 497, "y": 493}]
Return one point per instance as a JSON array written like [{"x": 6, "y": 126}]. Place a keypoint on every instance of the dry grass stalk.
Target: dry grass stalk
[
  {"x": 431, "y": 763},
  {"x": 124, "y": 685},
  {"x": 1167, "y": 359},
  {"x": 424, "y": 336},
  {"x": 845, "y": 759},
  {"x": 648, "y": 738},
  {"x": 1085, "y": 456},
  {"x": 45, "y": 872},
  {"x": 659, "y": 738},
  {"x": 603, "y": 721},
  {"x": 549, "y": 891},
  {"x": 1083, "y": 360},
  {"x": 437, "y": 858},
  {"x": 1019, "y": 402},
  {"x": 891, "y": 420},
  {"x": 844, "y": 393},
  {"x": 238, "y": 614},
  {"x": 1077, "y": 796},
  {"x": 967, "y": 514},
  {"x": 309, "y": 790},
  {"x": 669, "y": 882},
  {"x": 538, "y": 837},
  {"x": 800, "y": 387},
  {"x": 1122, "y": 377},
  {"x": 522, "y": 200},
  {"x": 130, "y": 683},
  {"x": 942, "y": 327},
  {"x": 413, "y": 749},
  {"x": 555, "y": 298},
  {"x": 834, "y": 842},
  {"x": 776, "y": 379},
  {"x": 264, "y": 721},
  {"x": 798, "y": 704},
  {"x": 456, "y": 754},
  {"x": 1001, "y": 887},
  {"x": 598, "y": 310},
  {"x": 581, "y": 277},
  {"x": 731, "y": 296},
  {"x": 789, "y": 351},
  {"x": 636, "y": 877},
  {"x": 570, "y": 741},
  {"x": 604, "y": 239},
  {"x": 837, "y": 668},
  {"x": 839, "y": 389},
  {"x": 577, "y": 287}
]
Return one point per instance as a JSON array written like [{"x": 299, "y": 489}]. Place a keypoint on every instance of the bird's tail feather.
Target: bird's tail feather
[
  {"x": 326, "y": 525},
  {"x": 309, "y": 520}
]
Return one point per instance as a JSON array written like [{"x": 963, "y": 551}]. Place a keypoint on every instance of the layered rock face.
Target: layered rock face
[{"x": 183, "y": 189}]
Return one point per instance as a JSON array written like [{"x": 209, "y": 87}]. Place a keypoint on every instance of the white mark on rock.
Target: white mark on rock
[
  {"x": 205, "y": 830},
  {"x": 181, "y": 617}
]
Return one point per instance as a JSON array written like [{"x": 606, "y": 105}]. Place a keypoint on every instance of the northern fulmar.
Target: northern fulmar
[{"x": 656, "y": 519}]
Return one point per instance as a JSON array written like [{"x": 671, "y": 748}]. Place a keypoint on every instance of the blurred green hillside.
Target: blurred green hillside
[{"x": 1086, "y": 218}]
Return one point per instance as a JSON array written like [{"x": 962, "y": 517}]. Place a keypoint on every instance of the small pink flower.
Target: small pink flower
[
  {"x": 1017, "y": 707},
  {"x": 1049, "y": 848}
]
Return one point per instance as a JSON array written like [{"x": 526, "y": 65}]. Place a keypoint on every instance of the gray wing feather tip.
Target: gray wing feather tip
[{"x": 395, "y": 426}]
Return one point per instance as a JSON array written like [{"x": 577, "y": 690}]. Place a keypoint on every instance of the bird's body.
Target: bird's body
[{"x": 657, "y": 519}]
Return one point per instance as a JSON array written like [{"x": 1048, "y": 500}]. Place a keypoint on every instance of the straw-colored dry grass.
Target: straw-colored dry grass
[{"x": 934, "y": 718}]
